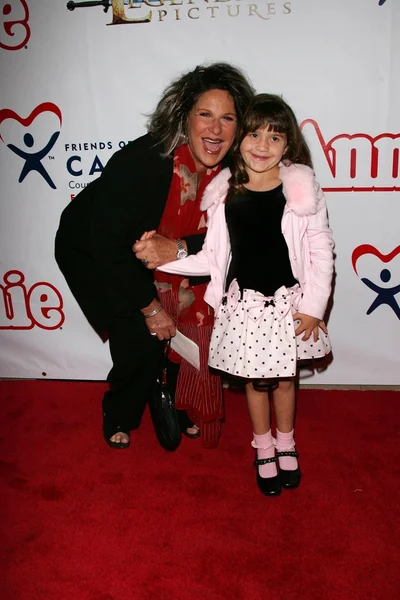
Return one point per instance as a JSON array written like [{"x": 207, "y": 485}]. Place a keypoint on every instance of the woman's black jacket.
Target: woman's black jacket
[{"x": 98, "y": 228}]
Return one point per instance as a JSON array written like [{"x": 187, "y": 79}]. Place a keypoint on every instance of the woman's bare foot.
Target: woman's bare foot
[
  {"x": 120, "y": 438},
  {"x": 193, "y": 430}
]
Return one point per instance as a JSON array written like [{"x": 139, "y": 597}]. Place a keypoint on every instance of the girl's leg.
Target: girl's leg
[
  {"x": 284, "y": 397},
  {"x": 259, "y": 411},
  {"x": 258, "y": 405}
]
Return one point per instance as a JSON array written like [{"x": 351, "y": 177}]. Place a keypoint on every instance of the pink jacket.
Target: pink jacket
[{"x": 305, "y": 229}]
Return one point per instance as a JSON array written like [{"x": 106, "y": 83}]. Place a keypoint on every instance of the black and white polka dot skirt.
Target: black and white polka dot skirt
[{"x": 253, "y": 335}]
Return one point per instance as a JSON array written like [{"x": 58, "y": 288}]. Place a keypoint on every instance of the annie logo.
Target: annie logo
[
  {"x": 23, "y": 308},
  {"x": 15, "y": 31},
  {"x": 355, "y": 162},
  {"x": 34, "y": 145},
  {"x": 385, "y": 290}
]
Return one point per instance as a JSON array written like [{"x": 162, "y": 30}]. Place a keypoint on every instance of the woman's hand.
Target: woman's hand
[
  {"x": 309, "y": 325},
  {"x": 161, "y": 325},
  {"x": 156, "y": 249}
]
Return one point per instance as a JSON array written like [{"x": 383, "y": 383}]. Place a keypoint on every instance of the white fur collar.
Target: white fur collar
[{"x": 299, "y": 188}]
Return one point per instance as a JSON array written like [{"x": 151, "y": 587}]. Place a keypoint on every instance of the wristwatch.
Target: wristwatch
[{"x": 182, "y": 252}]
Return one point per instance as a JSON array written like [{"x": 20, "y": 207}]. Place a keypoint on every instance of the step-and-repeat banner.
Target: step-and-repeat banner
[{"x": 79, "y": 78}]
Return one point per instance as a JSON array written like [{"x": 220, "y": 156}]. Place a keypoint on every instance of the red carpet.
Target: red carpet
[{"x": 81, "y": 521}]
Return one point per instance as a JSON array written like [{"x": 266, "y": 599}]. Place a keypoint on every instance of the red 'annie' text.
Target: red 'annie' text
[{"x": 21, "y": 308}]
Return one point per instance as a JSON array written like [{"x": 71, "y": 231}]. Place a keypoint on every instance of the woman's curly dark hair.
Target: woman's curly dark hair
[
  {"x": 168, "y": 122},
  {"x": 268, "y": 110}
]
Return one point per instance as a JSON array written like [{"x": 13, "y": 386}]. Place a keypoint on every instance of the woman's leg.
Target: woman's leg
[
  {"x": 136, "y": 359},
  {"x": 199, "y": 393},
  {"x": 185, "y": 423},
  {"x": 124, "y": 402}
]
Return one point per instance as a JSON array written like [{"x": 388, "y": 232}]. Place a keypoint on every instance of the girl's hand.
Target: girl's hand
[
  {"x": 309, "y": 325},
  {"x": 147, "y": 235}
]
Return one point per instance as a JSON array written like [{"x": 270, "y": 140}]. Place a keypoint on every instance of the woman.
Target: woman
[{"x": 155, "y": 182}]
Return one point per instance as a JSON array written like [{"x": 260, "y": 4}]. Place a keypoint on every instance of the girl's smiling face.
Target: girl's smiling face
[{"x": 262, "y": 151}]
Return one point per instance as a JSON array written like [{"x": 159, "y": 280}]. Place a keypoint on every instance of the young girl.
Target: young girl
[{"x": 269, "y": 252}]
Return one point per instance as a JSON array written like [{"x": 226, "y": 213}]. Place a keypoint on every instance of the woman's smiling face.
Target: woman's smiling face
[{"x": 211, "y": 128}]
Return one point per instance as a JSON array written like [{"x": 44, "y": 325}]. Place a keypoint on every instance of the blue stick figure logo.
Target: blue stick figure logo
[
  {"x": 385, "y": 295},
  {"x": 33, "y": 159}
]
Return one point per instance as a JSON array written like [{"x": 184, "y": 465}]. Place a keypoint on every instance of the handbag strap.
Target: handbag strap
[
  {"x": 167, "y": 349},
  {"x": 165, "y": 362}
]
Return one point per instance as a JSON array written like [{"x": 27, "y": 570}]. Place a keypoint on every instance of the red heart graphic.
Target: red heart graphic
[
  {"x": 7, "y": 113},
  {"x": 368, "y": 249}
]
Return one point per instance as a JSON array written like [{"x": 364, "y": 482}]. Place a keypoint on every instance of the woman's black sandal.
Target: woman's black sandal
[
  {"x": 289, "y": 479},
  {"x": 269, "y": 486},
  {"x": 109, "y": 431},
  {"x": 186, "y": 423},
  {"x": 193, "y": 436}
]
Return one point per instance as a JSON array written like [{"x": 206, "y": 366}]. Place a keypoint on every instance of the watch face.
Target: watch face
[{"x": 181, "y": 254}]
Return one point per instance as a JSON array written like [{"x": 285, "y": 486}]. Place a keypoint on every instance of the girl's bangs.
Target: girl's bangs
[{"x": 274, "y": 120}]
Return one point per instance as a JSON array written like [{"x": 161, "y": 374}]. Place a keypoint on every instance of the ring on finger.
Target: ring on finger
[
  {"x": 144, "y": 261},
  {"x": 153, "y": 333}
]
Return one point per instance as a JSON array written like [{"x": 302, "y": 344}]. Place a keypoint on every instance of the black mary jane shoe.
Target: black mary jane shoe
[
  {"x": 289, "y": 479},
  {"x": 110, "y": 430},
  {"x": 269, "y": 486}
]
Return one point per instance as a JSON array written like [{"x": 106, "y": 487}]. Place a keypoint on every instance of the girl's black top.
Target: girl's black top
[{"x": 260, "y": 256}]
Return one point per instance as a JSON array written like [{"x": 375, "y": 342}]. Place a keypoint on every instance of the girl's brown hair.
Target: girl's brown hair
[{"x": 268, "y": 110}]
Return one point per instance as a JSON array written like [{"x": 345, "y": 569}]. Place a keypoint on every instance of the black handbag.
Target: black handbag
[{"x": 163, "y": 412}]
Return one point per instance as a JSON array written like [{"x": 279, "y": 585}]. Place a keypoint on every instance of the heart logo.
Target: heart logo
[
  {"x": 368, "y": 249},
  {"x": 27, "y": 149},
  {"x": 7, "y": 113}
]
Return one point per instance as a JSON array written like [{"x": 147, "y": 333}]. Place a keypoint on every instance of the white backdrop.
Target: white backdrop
[{"x": 75, "y": 84}]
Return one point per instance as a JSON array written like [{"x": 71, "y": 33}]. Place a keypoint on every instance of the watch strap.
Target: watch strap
[{"x": 182, "y": 252}]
